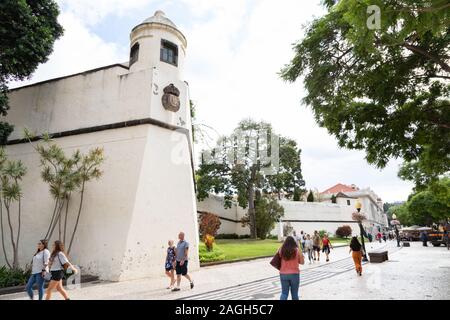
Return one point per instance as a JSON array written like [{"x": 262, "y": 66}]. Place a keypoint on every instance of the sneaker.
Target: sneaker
[
  {"x": 169, "y": 288},
  {"x": 192, "y": 285},
  {"x": 175, "y": 289}
]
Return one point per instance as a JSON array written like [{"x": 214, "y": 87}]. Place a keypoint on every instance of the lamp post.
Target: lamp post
[
  {"x": 395, "y": 223},
  {"x": 360, "y": 217}
]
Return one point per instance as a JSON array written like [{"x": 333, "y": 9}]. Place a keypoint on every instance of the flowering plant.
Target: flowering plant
[
  {"x": 209, "y": 242},
  {"x": 358, "y": 216}
]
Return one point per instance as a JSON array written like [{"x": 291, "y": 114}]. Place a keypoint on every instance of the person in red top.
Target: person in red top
[
  {"x": 326, "y": 246},
  {"x": 291, "y": 257}
]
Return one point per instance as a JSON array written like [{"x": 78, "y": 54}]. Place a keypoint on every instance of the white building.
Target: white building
[
  {"x": 139, "y": 113},
  {"x": 308, "y": 216}
]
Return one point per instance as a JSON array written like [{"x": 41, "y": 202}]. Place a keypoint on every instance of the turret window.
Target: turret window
[
  {"x": 134, "y": 54},
  {"x": 169, "y": 52}
]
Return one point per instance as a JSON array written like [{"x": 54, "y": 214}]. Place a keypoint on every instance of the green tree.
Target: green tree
[
  {"x": 239, "y": 168},
  {"x": 268, "y": 212},
  {"x": 333, "y": 198},
  {"x": 425, "y": 208},
  {"x": 28, "y": 30},
  {"x": 383, "y": 90},
  {"x": 402, "y": 213},
  {"x": 12, "y": 173},
  {"x": 310, "y": 197},
  {"x": 66, "y": 176}
]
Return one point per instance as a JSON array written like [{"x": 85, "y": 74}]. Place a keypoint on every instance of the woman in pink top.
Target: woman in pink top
[{"x": 290, "y": 271}]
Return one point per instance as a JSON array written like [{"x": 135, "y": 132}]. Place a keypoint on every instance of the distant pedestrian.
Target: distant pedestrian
[
  {"x": 397, "y": 237},
  {"x": 370, "y": 237},
  {"x": 290, "y": 271},
  {"x": 316, "y": 245},
  {"x": 424, "y": 238},
  {"x": 58, "y": 264},
  {"x": 39, "y": 270},
  {"x": 181, "y": 267},
  {"x": 326, "y": 247},
  {"x": 384, "y": 236},
  {"x": 170, "y": 264},
  {"x": 357, "y": 252},
  {"x": 309, "y": 247},
  {"x": 379, "y": 236},
  {"x": 303, "y": 239}
]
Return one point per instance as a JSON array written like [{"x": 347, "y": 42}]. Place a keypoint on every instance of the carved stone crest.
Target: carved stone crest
[{"x": 171, "y": 98}]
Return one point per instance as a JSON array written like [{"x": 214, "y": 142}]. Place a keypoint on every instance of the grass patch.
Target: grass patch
[
  {"x": 228, "y": 250},
  {"x": 237, "y": 249}
]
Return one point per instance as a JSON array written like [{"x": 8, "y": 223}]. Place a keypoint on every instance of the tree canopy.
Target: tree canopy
[
  {"x": 425, "y": 207},
  {"x": 382, "y": 89},
  {"x": 28, "y": 30},
  {"x": 239, "y": 166}
]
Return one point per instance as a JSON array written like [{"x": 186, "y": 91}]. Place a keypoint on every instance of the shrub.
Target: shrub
[
  {"x": 227, "y": 236},
  {"x": 344, "y": 231},
  {"x": 268, "y": 212},
  {"x": 310, "y": 197},
  {"x": 13, "y": 277},
  {"x": 244, "y": 236},
  {"x": 209, "y": 224},
  {"x": 210, "y": 256},
  {"x": 209, "y": 242},
  {"x": 323, "y": 233}
]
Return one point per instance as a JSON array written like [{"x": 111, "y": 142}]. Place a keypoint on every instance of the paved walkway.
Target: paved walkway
[{"x": 411, "y": 273}]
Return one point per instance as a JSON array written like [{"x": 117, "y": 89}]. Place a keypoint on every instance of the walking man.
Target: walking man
[
  {"x": 181, "y": 268},
  {"x": 316, "y": 245}
]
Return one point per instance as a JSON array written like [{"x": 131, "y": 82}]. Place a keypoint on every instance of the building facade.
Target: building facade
[
  {"x": 139, "y": 113},
  {"x": 308, "y": 216}
]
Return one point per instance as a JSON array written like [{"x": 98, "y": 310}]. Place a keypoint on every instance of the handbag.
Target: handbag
[
  {"x": 276, "y": 261},
  {"x": 47, "y": 276}
]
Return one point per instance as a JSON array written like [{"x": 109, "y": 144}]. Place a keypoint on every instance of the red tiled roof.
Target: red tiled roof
[{"x": 338, "y": 188}]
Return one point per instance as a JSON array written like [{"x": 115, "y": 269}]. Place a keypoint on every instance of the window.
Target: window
[
  {"x": 348, "y": 202},
  {"x": 134, "y": 54},
  {"x": 169, "y": 52}
]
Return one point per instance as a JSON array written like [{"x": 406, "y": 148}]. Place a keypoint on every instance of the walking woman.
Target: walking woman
[
  {"x": 326, "y": 246},
  {"x": 357, "y": 253},
  {"x": 309, "y": 248},
  {"x": 170, "y": 264},
  {"x": 58, "y": 263},
  {"x": 290, "y": 271},
  {"x": 39, "y": 268}
]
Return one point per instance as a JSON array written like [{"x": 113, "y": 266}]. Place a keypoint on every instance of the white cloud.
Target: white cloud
[
  {"x": 234, "y": 59},
  {"x": 235, "y": 50},
  {"x": 92, "y": 12}
]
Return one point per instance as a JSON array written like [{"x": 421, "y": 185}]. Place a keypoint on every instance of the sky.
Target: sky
[{"x": 235, "y": 52}]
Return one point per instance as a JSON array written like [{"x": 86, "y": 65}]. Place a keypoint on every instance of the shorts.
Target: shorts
[
  {"x": 169, "y": 268},
  {"x": 182, "y": 269},
  {"x": 316, "y": 248},
  {"x": 326, "y": 249},
  {"x": 57, "y": 275}
]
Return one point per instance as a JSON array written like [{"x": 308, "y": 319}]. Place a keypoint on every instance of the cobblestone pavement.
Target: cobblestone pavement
[{"x": 414, "y": 272}]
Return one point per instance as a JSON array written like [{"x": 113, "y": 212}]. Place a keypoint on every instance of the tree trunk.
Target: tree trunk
[
  {"x": 15, "y": 263},
  {"x": 251, "y": 212},
  {"x": 57, "y": 218},
  {"x": 65, "y": 218},
  {"x": 78, "y": 218},
  {"x": 53, "y": 218},
  {"x": 3, "y": 235}
]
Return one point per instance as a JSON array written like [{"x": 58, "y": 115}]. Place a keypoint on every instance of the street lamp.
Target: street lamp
[
  {"x": 358, "y": 216},
  {"x": 395, "y": 223}
]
